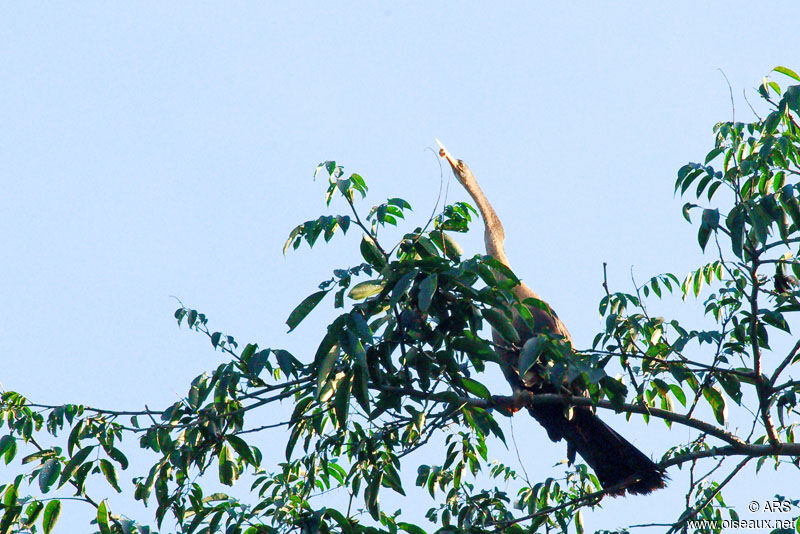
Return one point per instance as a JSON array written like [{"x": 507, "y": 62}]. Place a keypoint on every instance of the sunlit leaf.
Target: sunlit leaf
[
  {"x": 51, "y": 513},
  {"x": 366, "y": 289},
  {"x": 788, "y": 72},
  {"x": 717, "y": 403},
  {"x": 110, "y": 473},
  {"x": 102, "y": 518},
  {"x": 476, "y": 388}
]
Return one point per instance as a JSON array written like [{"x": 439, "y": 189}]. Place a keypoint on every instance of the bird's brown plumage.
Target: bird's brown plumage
[{"x": 615, "y": 461}]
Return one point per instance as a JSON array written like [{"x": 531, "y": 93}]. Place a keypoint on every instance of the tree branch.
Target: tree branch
[
  {"x": 527, "y": 398},
  {"x": 786, "y": 361},
  {"x": 689, "y": 514}
]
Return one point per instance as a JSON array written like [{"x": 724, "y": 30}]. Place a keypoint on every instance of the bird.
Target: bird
[
  {"x": 619, "y": 465},
  {"x": 784, "y": 284}
]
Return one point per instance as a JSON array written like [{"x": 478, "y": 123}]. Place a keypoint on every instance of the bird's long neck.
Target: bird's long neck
[{"x": 494, "y": 236}]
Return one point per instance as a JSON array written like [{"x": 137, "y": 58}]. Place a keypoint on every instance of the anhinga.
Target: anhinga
[{"x": 615, "y": 461}]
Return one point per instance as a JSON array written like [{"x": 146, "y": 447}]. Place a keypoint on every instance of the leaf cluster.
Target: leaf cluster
[{"x": 408, "y": 364}]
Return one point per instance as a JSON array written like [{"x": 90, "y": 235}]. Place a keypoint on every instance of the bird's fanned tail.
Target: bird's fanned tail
[{"x": 615, "y": 460}]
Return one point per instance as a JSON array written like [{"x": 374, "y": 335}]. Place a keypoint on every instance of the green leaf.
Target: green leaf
[
  {"x": 615, "y": 390},
  {"x": 11, "y": 452},
  {"x": 391, "y": 479},
  {"x": 74, "y": 437},
  {"x": 285, "y": 361},
  {"x": 51, "y": 513},
  {"x": 5, "y": 443},
  {"x": 735, "y": 223},
  {"x": 353, "y": 347},
  {"x": 328, "y": 342},
  {"x": 423, "y": 471},
  {"x": 501, "y": 324},
  {"x": 425, "y": 247},
  {"x": 360, "y": 185},
  {"x": 713, "y": 189},
  {"x": 248, "y": 352},
  {"x": 325, "y": 368},
  {"x": 366, "y": 289},
  {"x": 341, "y": 402},
  {"x": 401, "y": 286},
  {"x": 713, "y": 154},
  {"x": 359, "y": 326},
  {"x": 102, "y": 518},
  {"x": 360, "y": 385},
  {"x": 35, "y": 456},
  {"x": 476, "y": 388},
  {"x": 10, "y": 495},
  {"x": 110, "y": 473},
  {"x": 529, "y": 354},
  {"x": 790, "y": 204},
  {"x": 776, "y": 319},
  {"x": 717, "y": 402},
  {"x": 446, "y": 244},
  {"x": 292, "y": 235},
  {"x": 787, "y": 72},
  {"x": 371, "y": 494},
  {"x": 241, "y": 448},
  {"x": 32, "y": 512},
  {"x": 117, "y": 455},
  {"x": 399, "y": 202},
  {"x": 678, "y": 392},
  {"x": 49, "y": 474},
  {"x": 761, "y": 223},
  {"x": 771, "y": 122},
  {"x": 731, "y": 385},
  {"x": 341, "y": 520},
  {"x": 304, "y": 308},
  {"x": 227, "y": 468},
  {"x": 410, "y": 528},
  {"x": 709, "y": 223},
  {"x": 698, "y": 284},
  {"x": 215, "y": 339},
  {"x": 344, "y": 222},
  {"x": 538, "y": 304},
  {"x": 503, "y": 269},
  {"x": 426, "y": 290},
  {"x": 292, "y": 441},
  {"x": 74, "y": 463},
  {"x": 475, "y": 346},
  {"x": 371, "y": 253}
]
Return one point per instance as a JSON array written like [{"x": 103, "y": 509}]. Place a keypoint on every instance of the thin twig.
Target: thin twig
[
  {"x": 730, "y": 90},
  {"x": 692, "y": 512}
]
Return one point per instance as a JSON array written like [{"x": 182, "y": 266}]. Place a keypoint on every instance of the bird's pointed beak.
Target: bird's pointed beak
[{"x": 446, "y": 155}]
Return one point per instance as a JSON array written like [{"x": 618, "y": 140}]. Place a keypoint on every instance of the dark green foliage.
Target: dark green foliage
[{"x": 404, "y": 366}]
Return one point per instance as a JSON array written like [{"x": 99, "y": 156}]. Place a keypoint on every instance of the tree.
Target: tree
[{"x": 404, "y": 364}]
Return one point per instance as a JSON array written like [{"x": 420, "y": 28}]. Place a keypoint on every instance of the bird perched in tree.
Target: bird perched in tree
[
  {"x": 784, "y": 284},
  {"x": 615, "y": 461}
]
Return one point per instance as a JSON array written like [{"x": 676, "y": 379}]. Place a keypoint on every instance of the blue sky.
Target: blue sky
[{"x": 151, "y": 151}]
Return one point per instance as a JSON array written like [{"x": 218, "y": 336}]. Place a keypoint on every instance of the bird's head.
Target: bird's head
[{"x": 460, "y": 169}]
